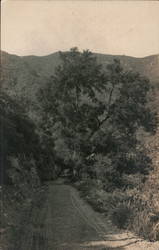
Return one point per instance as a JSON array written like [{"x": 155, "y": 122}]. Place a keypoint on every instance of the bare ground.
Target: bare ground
[{"x": 66, "y": 222}]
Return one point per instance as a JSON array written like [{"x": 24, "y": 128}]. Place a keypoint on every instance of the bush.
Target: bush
[
  {"x": 145, "y": 220},
  {"x": 120, "y": 216}
]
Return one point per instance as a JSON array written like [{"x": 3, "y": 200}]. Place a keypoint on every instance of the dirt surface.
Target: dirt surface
[{"x": 66, "y": 222}]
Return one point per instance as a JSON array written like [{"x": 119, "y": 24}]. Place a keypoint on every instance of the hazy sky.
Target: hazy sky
[{"x": 43, "y": 27}]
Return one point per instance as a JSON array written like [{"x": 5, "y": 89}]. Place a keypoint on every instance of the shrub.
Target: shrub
[{"x": 120, "y": 216}]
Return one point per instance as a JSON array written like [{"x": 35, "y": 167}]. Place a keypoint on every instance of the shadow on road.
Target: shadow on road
[
  {"x": 104, "y": 248},
  {"x": 123, "y": 239}
]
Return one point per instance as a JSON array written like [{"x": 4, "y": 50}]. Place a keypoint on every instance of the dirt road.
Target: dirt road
[{"x": 66, "y": 222}]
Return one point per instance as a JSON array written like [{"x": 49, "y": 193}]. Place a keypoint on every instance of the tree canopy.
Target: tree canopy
[{"x": 92, "y": 112}]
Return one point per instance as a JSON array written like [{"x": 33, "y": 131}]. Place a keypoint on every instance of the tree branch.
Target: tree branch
[{"x": 107, "y": 116}]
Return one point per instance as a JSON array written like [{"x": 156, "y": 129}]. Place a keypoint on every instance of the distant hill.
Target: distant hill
[{"x": 23, "y": 76}]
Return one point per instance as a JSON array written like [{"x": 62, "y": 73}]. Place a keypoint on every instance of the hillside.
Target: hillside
[{"x": 23, "y": 76}]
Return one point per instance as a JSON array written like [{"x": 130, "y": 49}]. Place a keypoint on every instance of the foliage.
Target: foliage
[
  {"x": 129, "y": 208},
  {"x": 21, "y": 165},
  {"x": 90, "y": 111},
  {"x": 18, "y": 136},
  {"x": 21, "y": 139}
]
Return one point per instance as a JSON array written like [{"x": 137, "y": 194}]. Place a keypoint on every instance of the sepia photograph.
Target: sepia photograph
[{"x": 79, "y": 125}]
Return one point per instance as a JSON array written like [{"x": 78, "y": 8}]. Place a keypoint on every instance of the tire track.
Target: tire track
[{"x": 97, "y": 225}]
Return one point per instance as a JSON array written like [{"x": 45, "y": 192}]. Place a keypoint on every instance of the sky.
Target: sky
[{"x": 111, "y": 27}]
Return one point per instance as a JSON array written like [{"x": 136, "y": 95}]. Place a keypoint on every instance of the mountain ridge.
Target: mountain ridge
[{"x": 95, "y": 53}]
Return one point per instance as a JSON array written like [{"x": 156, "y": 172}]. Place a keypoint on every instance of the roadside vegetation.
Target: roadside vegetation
[{"x": 21, "y": 167}]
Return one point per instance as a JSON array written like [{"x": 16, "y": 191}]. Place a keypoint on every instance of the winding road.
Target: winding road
[{"x": 66, "y": 222}]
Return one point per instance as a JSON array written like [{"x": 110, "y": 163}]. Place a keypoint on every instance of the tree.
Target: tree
[{"x": 89, "y": 110}]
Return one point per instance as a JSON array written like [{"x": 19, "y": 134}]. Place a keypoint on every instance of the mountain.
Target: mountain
[{"x": 22, "y": 76}]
